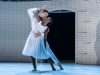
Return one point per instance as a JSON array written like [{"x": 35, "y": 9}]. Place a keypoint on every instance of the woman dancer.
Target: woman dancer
[{"x": 36, "y": 44}]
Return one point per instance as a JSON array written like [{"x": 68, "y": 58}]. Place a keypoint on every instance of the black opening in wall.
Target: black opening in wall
[{"x": 62, "y": 34}]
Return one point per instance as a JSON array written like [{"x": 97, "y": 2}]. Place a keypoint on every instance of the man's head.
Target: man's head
[
  {"x": 43, "y": 13},
  {"x": 48, "y": 21}
]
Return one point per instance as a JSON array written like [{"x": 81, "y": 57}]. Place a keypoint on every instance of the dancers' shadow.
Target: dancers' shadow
[{"x": 57, "y": 72}]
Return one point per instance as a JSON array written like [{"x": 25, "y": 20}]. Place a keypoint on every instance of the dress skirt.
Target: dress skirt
[{"x": 35, "y": 47}]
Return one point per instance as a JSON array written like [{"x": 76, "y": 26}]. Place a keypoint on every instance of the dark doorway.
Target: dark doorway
[{"x": 62, "y": 34}]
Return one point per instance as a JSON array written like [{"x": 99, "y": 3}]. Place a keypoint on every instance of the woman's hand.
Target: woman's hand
[{"x": 37, "y": 34}]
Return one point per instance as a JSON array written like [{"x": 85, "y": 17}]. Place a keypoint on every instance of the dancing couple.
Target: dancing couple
[{"x": 36, "y": 45}]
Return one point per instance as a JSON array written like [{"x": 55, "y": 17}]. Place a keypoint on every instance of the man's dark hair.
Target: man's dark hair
[{"x": 46, "y": 11}]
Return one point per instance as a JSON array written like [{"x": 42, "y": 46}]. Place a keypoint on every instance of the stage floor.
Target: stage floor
[{"x": 45, "y": 69}]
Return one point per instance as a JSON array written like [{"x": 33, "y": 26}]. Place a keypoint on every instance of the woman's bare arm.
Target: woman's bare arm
[{"x": 32, "y": 12}]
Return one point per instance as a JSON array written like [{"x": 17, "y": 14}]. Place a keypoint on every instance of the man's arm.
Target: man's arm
[{"x": 46, "y": 34}]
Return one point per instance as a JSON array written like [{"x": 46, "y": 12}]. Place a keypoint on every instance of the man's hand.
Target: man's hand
[{"x": 37, "y": 34}]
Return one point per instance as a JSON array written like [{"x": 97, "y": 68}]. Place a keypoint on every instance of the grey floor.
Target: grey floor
[{"x": 45, "y": 69}]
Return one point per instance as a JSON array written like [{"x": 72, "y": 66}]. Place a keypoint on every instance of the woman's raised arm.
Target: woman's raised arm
[{"x": 32, "y": 11}]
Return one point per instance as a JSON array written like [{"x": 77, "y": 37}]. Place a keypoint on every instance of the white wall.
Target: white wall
[
  {"x": 87, "y": 24},
  {"x": 87, "y": 31}
]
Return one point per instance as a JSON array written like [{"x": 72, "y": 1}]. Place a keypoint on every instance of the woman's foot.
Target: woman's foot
[{"x": 34, "y": 70}]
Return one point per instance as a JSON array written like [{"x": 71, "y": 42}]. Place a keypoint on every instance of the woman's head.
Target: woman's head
[{"x": 43, "y": 13}]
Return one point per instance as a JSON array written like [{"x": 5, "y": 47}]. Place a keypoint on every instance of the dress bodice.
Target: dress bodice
[{"x": 39, "y": 27}]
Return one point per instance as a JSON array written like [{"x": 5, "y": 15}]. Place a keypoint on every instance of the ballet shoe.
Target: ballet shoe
[
  {"x": 61, "y": 68},
  {"x": 34, "y": 70}
]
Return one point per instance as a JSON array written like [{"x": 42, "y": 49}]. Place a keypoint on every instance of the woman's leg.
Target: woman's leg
[
  {"x": 51, "y": 63},
  {"x": 34, "y": 63}
]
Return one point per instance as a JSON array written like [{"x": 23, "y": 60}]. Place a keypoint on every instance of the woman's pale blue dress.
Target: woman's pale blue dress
[{"x": 34, "y": 46}]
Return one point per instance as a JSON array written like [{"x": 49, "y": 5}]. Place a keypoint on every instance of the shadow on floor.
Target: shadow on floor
[{"x": 57, "y": 72}]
